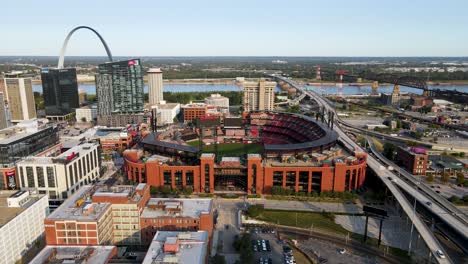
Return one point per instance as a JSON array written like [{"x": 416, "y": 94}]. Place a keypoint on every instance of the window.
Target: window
[
  {"x": 76, "y": 172},
  {"x": 52, "y": 195},
  {"x": 30, "y": 176},
  {"x": 348, "y": 175},
  {"x": 23, "y": 183},
  {"x": 278, "y": 178},
  {"x": 189, "y": 178},
  {"x": 353, "y": 180},
  {"x": 291, "y": 180},
  {"x": 316, "y": 181},
  {"x": 207, "y": 177},
  {"x": 178, "y": 178},
  {"x": 40, "y": 177},
  {"x": 167, "y": 178},
  {"x": 254, "y": 178},
  {"x": 303, "y": 181},
  {"x": 72, "y": 178},
  {"x": 50, "y": 177},
  {"x": 81, "y": 168}
]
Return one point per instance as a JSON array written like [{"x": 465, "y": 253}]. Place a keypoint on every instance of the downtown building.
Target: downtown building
[
  {"x": 258, "y": 95},
  {"x": 19, "y": 95},
  {"x": 61, "y": 176},
  {"x": 178, "y": 247},
  {"x": 27, "y": 138},
  {"x": 155, "y": 86},
  {"x": 123, "y": 215},
  {"x": 21, "y": 223},
  {"x": 119, "y": 90},
  {"x": 60, "y": 91}
]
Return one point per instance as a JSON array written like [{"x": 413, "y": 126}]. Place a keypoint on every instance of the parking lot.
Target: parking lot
[{"x": 268, "y": 249}]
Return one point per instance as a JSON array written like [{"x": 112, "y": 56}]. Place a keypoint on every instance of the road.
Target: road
[{"x": 427, "y": 235}]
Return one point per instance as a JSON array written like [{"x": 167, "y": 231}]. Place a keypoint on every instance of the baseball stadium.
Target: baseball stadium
[{"x": 251, "y": 154}]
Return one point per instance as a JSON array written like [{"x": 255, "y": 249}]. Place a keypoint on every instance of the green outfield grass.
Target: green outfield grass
[{"x": 234, "y": 149}]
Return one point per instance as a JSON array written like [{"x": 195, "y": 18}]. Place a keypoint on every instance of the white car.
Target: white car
[
  {"x": 342, "y": 251},
  {"x": 440, "y": 254}
]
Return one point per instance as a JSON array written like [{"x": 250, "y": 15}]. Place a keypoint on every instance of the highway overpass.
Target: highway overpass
[{"x": 385, "y": 175}]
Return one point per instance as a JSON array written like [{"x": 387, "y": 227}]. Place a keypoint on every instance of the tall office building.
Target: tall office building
[
  {"x": 155, "y": 86},
  {"x": 5, "y": 118},
  {"x": 259, "y": 95},
  {"x": 119, "y": 87},
  {"x": 60, "y": 88},
  {"x": 20, "y": 98}
]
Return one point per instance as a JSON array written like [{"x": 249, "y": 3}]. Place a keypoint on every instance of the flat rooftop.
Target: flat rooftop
[
  {"x": 78, "y": 149},
  {"x": 168, "y": 105},
  {"x": 8, "y": 213},
  {"x": 79, "y": 207},
  {"x": 189, "y": 207},
  {"x": 190, "y": 248},
  {"x": 74, "y": 254}
]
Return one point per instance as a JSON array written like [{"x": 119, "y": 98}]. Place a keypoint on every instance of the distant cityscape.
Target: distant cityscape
[{"x": 282, "y": 160}]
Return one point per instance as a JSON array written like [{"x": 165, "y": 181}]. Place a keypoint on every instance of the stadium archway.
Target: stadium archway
[
  {"x": 65, "y": 43},
  {"x": 230, "y": 183}
]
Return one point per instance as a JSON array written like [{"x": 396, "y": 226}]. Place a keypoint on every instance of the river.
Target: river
[
  {"x": 326, "y": 89},
  {"x": 367, "y": 89}
]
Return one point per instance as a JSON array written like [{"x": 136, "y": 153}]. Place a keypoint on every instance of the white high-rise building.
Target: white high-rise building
[
  {"x": 61, "y": 176},
  {"x": 259, "y": 95},
  {"x": 21, "y": 223},
  {"x": 20, "y": 97},
  {"x": 155, "y": 86}
]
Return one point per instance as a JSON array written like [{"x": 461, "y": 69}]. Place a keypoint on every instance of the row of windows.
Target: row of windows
[
  {"x": 41, "y": 180},
  {"x": 178, "y": 175}
]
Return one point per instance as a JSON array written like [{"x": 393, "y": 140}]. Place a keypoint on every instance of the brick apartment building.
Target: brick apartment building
[
  {"x": 176, "y": 215},
  {"x": 413, "y": 159},
  {"x": 122, "y": 215}
]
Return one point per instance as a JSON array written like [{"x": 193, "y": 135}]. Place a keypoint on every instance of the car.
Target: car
[
  {"x": 322, "y": 260},
  {"x": 440, "y": 254},
  {"x": 226, "y": 226},
  {"x": 428, "y": 203},
  {"x": 255, "y": 248},
  {"x": 342, "y": 251},
  {"x": 437, "y": 191},
  {"x": 438, "y": 187},
  {"x": 269, "y": 261}
]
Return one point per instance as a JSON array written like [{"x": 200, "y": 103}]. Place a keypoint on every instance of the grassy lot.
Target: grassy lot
[
  {"x": 235, "y": 149},
  {"x": 304, "y": 220},
  {"x": 194, "y": 143}
]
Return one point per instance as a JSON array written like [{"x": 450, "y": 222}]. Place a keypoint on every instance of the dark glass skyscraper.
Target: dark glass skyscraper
[
  {"x": 60, "y": 89},
  {"x": 119, "y": 88}
]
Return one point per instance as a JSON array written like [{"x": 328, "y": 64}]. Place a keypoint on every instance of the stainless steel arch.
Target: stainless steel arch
[{"x": 65, "y": 43}]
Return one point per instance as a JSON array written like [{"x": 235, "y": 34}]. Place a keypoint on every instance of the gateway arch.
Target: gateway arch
[{"x": 65, "y": 43}]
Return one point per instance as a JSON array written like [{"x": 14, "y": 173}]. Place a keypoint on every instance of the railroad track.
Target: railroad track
[{"x": 351, "y": 244}]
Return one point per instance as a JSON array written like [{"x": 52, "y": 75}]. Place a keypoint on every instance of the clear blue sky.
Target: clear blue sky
[{"x": 237, "y": 27}]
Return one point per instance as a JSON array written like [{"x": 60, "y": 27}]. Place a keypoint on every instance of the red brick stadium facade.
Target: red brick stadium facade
[{"x": 300, "y": 154}]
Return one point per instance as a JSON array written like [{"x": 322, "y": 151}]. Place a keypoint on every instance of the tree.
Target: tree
[
  {"x": 218, "y": 259},
  {"x": 460, "y": 178},
  {"x": 445, "y": 177},
  {"x": 83, "y": 119},
  {"x": 389, "y": 150},
  {"x": 430, "y": 178}
]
